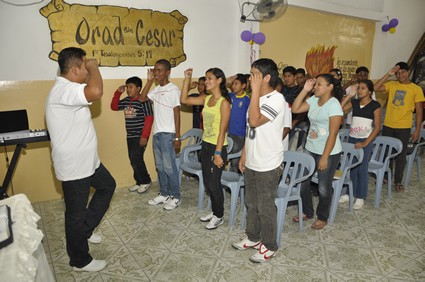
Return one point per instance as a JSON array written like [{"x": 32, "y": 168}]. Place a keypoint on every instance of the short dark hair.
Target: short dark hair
[
  {"x": 403, "y": 66},
  {"x": 301, "y": 71},
  {"x": 290, "y": 69},
  {"x": 267, "y": 66},
  {"x": 242, "y": 78},
  {"x": 165, "y": 63},
  {"x": 135, "y": 80},
  {"x": 362, "y": 68},
  {"x": 70, "y": 56},
  {"x": 202, "y": 78}
]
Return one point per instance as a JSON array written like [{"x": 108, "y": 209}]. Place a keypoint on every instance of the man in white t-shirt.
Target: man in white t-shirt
[
  {"x": 261, "y": 160},
  {"x": 74, "y": 154},
  {"x": 166, "y": 133}
]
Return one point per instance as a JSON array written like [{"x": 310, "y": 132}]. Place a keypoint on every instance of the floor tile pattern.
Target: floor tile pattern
[{"x": 145, "y": 243}]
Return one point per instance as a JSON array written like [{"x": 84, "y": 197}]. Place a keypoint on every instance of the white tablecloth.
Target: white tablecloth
[{"x": 24, "y": 259}]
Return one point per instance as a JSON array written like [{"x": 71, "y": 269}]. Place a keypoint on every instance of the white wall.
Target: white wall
[
  {"x": 212, "y": 35},
  {"x": 211, "y": 39},
  {"x": 388, "y": 49}
]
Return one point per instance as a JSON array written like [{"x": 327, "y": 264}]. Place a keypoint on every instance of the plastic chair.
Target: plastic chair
[
  {"x": 191, "y": 166},
  {"x": 414, "y": 156},
  {"x": 234, "y": 181},
  {"x": 344, "y": 134},
  {"x": 350, "y": 158},
  {"x": 298, "y": 167},
  {"x": 384, "y": 149},
  {"x": 194, "y": 136}
]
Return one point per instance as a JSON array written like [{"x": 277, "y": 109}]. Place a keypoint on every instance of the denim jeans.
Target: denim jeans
[
  {"x": 238, "y": 142},
  {"x": 80, "y": 220},
  {"x": 261, "y": 216},
  {"x": 359, "y": 174},
  {"x": 165, "y": 160},
  {"x": 135, "y": 154},
  {"x": 325, "y": 188},
  {"x": 403, "y": 134},
  {"x": 212, "y": 177}
]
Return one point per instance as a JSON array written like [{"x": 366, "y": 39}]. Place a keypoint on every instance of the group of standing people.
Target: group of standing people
[{"x": 265, "y": 116}]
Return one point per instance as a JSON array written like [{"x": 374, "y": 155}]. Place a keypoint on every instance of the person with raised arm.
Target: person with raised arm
[{"x": 216, "y": 115}]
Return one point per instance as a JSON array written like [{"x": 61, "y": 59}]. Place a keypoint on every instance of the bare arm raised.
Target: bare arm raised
[{"x": 185, "y": 98}]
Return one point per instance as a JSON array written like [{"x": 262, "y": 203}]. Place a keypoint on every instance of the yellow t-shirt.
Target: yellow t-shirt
[
  {"x": 401, "y": 103},
  {"x": 211, "y": 119}
]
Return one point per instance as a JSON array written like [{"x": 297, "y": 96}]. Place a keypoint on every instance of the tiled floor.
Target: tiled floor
[{"x": 144, "y": 243}]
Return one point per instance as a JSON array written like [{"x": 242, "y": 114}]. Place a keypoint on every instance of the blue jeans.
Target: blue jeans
[
  {"x": 359, "y": 174},
  {"x": 80, "y": 219},
  {"x": 165, "y": 160},
  {"x": 135, "y": 154},
  {"x": 325, "y": 188}
]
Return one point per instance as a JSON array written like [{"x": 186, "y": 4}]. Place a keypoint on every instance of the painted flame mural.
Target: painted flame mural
[{"x": 319, "y": 60}]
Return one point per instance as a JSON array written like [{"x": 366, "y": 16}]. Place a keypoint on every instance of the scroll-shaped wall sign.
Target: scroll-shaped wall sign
[{"x": 116, "y": 36}]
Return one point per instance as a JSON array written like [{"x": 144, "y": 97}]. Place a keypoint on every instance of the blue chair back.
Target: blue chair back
[
  {"x": 298, "y": 167},
  {"x": 385, "y": 148},
  {"x": 344, "y": 134}
]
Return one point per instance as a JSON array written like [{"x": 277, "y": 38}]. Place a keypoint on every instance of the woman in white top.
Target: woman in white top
[{"x": 365, "y": 126}]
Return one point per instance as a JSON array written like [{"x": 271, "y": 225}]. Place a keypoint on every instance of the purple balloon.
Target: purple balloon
[
  {"x": 246, "y": 35},
  {"x": 385, "y": 27},
  {"x": 393, "y": 22},
  {"x": 259, "y": 38}
]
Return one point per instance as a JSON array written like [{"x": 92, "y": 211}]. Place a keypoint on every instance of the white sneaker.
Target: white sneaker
[
  {"x": 133, "y": 188},
  {"x": 207, "y": 217},
  {"x": 94, "y": 265},
  {"x": 158, "y": 200},
  {"x": 143, "y": 188},
  {"x": 214, "y": 223},
  {"x": 263, "y": 254},
  {"x": 245, "y": 244},
  {"x": 171, "y": 203},
  {"x": 95, "y": 238},
  {"x": 344, "y": 199},
  {"x": 358, "y": 204}
]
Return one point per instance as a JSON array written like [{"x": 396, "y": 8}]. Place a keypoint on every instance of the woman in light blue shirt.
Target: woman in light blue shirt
[{"x": 325, "y": 115}]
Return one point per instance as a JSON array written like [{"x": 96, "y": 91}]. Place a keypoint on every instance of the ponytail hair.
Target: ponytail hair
[
  {"x": 337, "y": 90},
  {"x": 218, "y": 73}
]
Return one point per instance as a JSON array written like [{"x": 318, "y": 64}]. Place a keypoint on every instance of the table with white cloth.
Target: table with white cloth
[{"x": 24, "y": 259}]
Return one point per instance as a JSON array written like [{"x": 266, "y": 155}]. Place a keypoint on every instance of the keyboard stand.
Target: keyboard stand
[{"x": 10, "y": 170}]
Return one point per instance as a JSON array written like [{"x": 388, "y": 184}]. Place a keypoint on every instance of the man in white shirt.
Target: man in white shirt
[
  {"x": 74, "y": 154},
  {"x": 261, "y": 160}
]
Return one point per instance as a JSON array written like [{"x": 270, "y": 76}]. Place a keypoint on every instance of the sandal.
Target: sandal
[
  {"x": 318, "y": 224},
  {"x": 305, "y": 217},
  {"x": 399, "y": 187}
]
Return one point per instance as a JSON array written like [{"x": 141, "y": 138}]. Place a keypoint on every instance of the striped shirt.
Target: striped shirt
[{"x": 135, "y": 113}]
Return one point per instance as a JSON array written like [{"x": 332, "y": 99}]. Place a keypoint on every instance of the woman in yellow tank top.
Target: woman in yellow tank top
[{"x": 216, "y": 115}]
